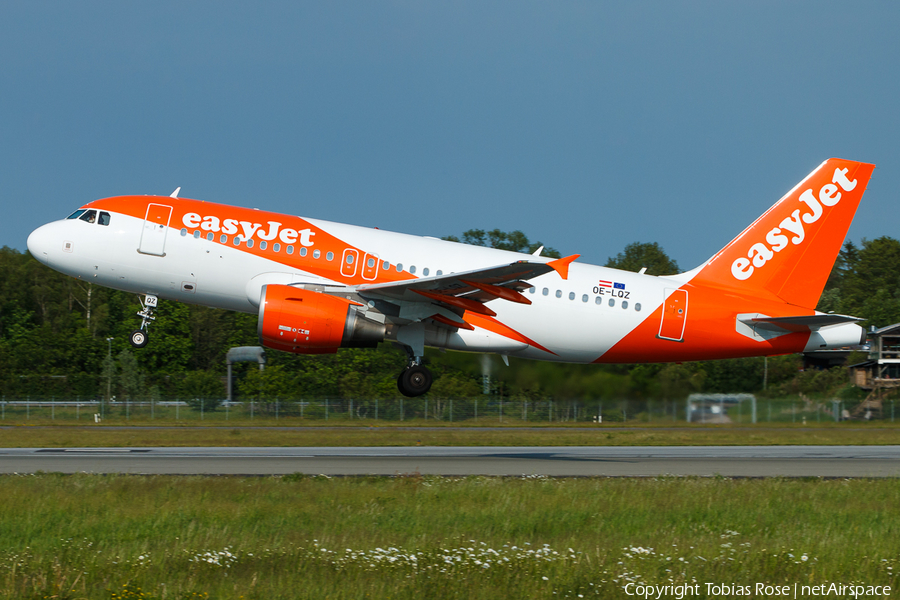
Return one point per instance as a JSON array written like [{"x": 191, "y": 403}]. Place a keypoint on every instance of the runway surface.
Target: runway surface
[{"x": 618, "y": 461}]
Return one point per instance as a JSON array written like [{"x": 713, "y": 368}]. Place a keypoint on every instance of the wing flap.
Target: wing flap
[{"x": 466, "y": 291}]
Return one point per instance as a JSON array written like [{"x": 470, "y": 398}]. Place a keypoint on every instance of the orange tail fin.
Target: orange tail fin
[{"x": 789, "y": 251}]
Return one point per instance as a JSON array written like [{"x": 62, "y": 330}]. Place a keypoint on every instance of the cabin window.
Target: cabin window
[
  {"x": 399, "y": 267},
  {"x": 262, "y": 245},
  {"x": 532, "y": 290},
  {"x": 183, "y": 232},
  {"x": 349, "y": 259},
  {"x": 237, "y": 240},
  {"x": 559, "y": 293},
  {"x": 317, "y": 253},
  {"x": 104, "y": 218},
  {"x": 250, "y": 243},
  {"x": 89, "y": 216},
  {"x": 223, "y": 238},
  {"x": 412, "y": 269},
  {"x": 209, "y": 236},
  {"x": 584, "y": 298},
  {"x": 439, "y": 273},
  {"x": 624, "y": 303},
  {"x": 425, "y": 272},
  {"x": 196, "y": 234},
  {"x": 545, "y": 291},
  {"x": 302, "y": 250},
  {"x": 370, "y": 262},
  {"x": 571, "y": 295},
  {"x": 612, "y": 302},
  {"x": 637, "y": 307},
  {"x": 276, "y": 247},
  {"x": 290, "y": 249},
  {"x": 76, "y": 214},
  {"x": 598, "y": 300},
  {"x": 385, "y": 266},
  {"x": 329, "y": 256}
]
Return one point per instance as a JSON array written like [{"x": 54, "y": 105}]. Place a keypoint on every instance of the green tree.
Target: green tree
[
  {"x": 514, "y": 241},
  {"x": 869, "y": 284},
  {"x": 203, "y": 390},
  {"x": 639, "y": 255},
  {"x": 132, "y": 380}
]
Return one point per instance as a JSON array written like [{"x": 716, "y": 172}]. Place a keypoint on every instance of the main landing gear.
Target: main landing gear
[
  {"x": 415, "y": 379},
  {"x": 140, "y": 337}
]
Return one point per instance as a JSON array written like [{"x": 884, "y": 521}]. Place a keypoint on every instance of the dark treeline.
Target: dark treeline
[{"x": 65, "y": 338}]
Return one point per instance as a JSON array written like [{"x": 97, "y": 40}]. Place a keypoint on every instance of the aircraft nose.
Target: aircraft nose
[{"x": 40, "y": 242}]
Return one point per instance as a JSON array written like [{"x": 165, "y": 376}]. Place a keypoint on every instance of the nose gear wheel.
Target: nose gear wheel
[{"x": 140, "y": 337}]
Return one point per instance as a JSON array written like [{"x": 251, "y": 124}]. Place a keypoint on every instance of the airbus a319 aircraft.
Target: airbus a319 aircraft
[{"x": 318, "y": 286}]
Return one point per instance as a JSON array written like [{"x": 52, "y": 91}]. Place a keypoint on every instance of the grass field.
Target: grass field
[
  {"x": 91, "y": 536},
  {"x": 605, "y": 435}
]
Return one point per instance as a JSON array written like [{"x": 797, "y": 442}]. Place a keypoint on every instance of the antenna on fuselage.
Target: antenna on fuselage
[
  {"x": 538, "y": 251},
  {"x": 175, "y": 193}
]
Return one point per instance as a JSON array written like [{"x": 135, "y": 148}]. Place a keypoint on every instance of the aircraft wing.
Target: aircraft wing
[{"x": 456, "y": 293}]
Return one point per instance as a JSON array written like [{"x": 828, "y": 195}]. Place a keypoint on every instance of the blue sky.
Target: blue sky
[{"x": 587, "y": 125}]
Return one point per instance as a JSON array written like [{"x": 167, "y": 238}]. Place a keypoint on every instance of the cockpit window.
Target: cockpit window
[
  {"x": 104, "y": 218},
  {"x": 89, "y": 216},
  {"x": 76, "y": 214}
]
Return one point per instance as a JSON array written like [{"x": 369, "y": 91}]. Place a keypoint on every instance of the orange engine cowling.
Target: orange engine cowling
[{"x": 307, "y": 322}]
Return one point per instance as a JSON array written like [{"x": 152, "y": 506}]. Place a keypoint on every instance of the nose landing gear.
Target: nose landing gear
[{"x": 140, "y": 337}]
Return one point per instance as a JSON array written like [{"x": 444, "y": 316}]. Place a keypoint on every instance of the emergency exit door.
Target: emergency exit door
[
  {"x": 156, "y": 226},
  {"x": 674, "y": 315}
]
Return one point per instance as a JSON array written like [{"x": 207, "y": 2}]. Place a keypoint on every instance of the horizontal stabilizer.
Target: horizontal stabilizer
[{"x": 798, "y": 323}]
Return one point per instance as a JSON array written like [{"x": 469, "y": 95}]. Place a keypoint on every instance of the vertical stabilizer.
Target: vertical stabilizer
[{"x": 789, "y": 251}]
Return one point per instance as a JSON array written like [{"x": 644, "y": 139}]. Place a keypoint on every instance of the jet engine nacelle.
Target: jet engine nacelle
[{"x": 307, "y": 322}]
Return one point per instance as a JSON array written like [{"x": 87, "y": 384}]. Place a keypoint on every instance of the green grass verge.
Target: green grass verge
[
  {"x": 99, "y": 436},
  {"x": 91, "y": 536}
]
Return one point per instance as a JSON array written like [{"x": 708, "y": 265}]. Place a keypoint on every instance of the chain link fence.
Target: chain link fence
[{"x": 479, "y": 410}]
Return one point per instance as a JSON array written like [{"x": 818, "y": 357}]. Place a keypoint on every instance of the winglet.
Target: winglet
[{"x": 561, "y": 265}]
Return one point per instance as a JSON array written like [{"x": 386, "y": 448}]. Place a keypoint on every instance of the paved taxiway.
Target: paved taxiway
[{"x": 621, "y": 461}]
